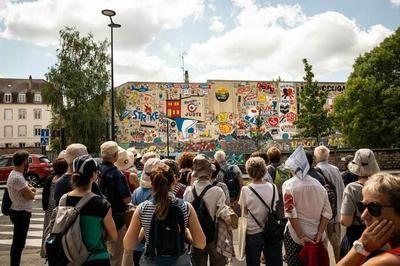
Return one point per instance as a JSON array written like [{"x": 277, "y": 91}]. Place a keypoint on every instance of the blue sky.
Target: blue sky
[{"x": 222, "y": 39}]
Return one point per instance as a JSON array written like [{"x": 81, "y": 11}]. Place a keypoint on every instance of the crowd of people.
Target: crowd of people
[{"x": 144, "y": 210}]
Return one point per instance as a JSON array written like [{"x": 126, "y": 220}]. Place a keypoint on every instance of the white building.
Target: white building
[{"x": 22, "y": 112}]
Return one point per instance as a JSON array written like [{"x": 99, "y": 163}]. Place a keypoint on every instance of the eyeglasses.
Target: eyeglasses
[{"x": 374, "y": 208}]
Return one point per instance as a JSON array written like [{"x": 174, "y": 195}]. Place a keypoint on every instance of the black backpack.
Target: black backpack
[
  {"x": 107, "y": 185},
  {"x": 231, "y": 181},
  {"x": 6, "y": 203},
  {"x": 274, "y": 227},
  {"x": 167, "y": 237},
  {"x": 205, "y": 219},
  {"x": 331, "y": 190}
]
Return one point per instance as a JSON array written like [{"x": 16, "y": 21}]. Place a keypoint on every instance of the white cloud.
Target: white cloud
[
  {"x": 216, "y": 25},
  {"x": 212, "y": 7},
  {"x": 168, "y": 49},
  {"x": 271, "y": 41},
  {"x": 395, "y": 2}
]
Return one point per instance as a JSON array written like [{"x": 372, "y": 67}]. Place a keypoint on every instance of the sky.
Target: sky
[{"x": 217, "y": 39}]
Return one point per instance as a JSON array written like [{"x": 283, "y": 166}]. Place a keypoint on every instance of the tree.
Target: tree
[
  {"x": 313, "y": 120},
  {"x": 77, "y": 88},
  {"x": 367, "y": 113}
]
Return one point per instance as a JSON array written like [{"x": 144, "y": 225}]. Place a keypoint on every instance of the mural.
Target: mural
[{"x": 237, "y": 116}]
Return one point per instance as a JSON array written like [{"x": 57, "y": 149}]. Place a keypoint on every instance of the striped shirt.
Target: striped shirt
[{"x": 147, "y": 209}]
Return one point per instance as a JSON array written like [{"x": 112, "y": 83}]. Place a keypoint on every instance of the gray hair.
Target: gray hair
[{"x": 321, "y": 153}]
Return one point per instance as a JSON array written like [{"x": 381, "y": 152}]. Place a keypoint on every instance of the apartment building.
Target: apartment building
[{"x": 22, "y": 112}]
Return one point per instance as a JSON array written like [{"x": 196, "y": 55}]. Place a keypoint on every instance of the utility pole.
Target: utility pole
[{"x": 183, "y": 65}]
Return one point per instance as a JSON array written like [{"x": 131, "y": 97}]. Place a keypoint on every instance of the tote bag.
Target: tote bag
[{"x": 240, "y": 249}]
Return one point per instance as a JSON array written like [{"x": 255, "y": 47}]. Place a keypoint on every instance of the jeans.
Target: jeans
[
  {"x": 272, "y": 251},
  {"x": 21, "y": 220}
]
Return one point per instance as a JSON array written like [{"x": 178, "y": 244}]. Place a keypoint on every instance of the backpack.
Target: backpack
[
  {"x": 331, "y": 190},
  {"x": 106, "y": 185},
  {"x": 205, "y": 219},
  {"x": 167, "y": 237},
  {"x": 274, "y": 227},
  {"x": 63, "y": 238},
  {"x": 6, "y": 203},
  {"x": 231, "y": 181}
]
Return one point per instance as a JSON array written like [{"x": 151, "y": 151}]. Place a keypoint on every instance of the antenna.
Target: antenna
[{"x": 183, "y": 64}]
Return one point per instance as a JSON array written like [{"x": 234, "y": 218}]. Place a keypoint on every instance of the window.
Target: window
[
  {"x": 8, "y": 114},
  {"x": 7, "y": 98},
  {"x": 37, "y": 144},
  {"x": 37, "y": 114},
  {"x": 37, "y": 98},
  {"x": 21, "y": 97},
  {"x": 8, "y": 131},
  {"x": 36, "y": 130},
  {"x": 8, "y": 145},
  {"x": 21, "y": 114},
  {"x": 21, "y": 131},
  {"x": 22, "y": 145}
]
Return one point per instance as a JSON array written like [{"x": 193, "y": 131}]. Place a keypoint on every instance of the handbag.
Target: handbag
[
  {"x": 6, "y": 203},
  {"x": 273, "y": 228},
  {"x": 240, "y": 249}
]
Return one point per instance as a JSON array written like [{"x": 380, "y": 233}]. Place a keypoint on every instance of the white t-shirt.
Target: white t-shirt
[
  {"x": 248, "y": 200},
  {"x": 15, "y": 183}
]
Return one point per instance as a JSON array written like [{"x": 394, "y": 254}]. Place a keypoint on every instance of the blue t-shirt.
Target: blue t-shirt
[{"x": 140, "y": 195}]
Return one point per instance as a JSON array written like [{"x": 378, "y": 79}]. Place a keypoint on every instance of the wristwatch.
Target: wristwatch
[{"x": 359, "y": 247}]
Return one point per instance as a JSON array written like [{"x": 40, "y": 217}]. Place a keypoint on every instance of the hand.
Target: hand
[
  {"x": 377, "y": 235},
  {"x": 305, "y": 239},
  {"x": 33, "y": 189},
  {"x": 318, "y": 237}
]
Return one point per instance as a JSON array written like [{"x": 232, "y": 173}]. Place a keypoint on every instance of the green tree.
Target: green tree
[
  {"x": 367, "y": 113},
  {"x": 77, "y": 88},
  {"x": 313, "y": 120}
]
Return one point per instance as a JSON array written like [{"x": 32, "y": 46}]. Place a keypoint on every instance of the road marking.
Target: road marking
[{"x": 30, "y": 242}]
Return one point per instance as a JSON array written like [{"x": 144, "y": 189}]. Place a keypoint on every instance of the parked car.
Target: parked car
[{"x": 40, "y": 168}]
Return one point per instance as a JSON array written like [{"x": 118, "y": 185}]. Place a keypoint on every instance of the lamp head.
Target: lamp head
[{"x": 108, "y": 12}]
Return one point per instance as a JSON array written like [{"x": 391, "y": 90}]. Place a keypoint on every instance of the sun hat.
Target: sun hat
[
  {"x": 125, "y": 159},
  {"x": 148, "y": 155},
  {"x": 134, "y": 152},
  {"x": 109, "y": 149},
  {"x": 147, "y": 168},
  {"x": 202, "y": 166},
  {"x": 61, "y": 155},
  {"x": 73, "y": 151},
  {"x": 364, "y": 163}
]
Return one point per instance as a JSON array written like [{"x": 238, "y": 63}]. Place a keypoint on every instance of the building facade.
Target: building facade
[
  {"x": 231, "y": 114},
  {"x": 22, "y": 112}
]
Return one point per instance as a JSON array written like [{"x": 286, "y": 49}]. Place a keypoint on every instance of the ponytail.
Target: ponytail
[
  {"x": 83, "y": 168},
  {"x": 161, "y": 179}
]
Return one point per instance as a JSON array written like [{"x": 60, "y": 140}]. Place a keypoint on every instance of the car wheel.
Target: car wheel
[{"x": 33, "y": 179}]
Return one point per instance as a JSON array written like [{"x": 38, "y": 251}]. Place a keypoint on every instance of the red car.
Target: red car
[{"x": 40, "y": 168}]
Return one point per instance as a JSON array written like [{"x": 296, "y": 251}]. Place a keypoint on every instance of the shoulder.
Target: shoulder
[
  {"x": 386, "y": 259},
  {"x": 99, "y": 202}
]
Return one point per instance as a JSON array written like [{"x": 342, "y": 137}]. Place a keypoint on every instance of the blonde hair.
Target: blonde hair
[
  {"x": 220, "y": 156},
  {"x": 321, "y": 153},
  {"x": 385, "y": 184},
  {"x": 274, "y": 155},
  {"x": 256, "y": 167}
]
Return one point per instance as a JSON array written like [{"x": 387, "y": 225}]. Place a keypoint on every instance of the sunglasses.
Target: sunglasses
[{"x": 375, "y": 209}]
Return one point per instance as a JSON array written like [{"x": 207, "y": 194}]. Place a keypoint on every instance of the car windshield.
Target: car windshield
[{"x": 44, "y": 160}]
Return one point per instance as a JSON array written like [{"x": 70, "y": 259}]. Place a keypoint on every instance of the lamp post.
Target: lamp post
[{"x": 110, "y": 13}]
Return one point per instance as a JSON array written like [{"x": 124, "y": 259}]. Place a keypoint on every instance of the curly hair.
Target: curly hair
[{"x": 186, "y": 160}]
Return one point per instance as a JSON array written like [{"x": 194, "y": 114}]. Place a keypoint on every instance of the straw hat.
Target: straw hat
[
  {"x": 202, "y": 166},
  {"x": 125, "y": 159},
  {"x": 147, "y": 168},
  {"x": 364, "y": 163}
]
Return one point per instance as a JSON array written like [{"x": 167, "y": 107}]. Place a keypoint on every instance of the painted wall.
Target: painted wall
[{"x": 202, "y": 117}]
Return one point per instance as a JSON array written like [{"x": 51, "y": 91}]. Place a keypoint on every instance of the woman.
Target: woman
[
  {"x": 256, "y": 213},
  {"x": 163, "y": 181},
  {"x": 381, "y": 213},
  {"x": 307, "y": 208},
  {"x": 185, "y": 163},
  {"x": 96, "y": 217},
  {"x": 179, "y": 188},
  {"x": 363, "y": 165},
  {"x": 60, "y": 166}
]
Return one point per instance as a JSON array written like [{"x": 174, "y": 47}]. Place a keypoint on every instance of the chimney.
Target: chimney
[
  {"x": 30, "y": 83},
  {"x": 186, "y": 76}
]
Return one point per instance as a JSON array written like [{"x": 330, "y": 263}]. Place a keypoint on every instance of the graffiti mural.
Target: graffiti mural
[{"x": 237, "y": 116}]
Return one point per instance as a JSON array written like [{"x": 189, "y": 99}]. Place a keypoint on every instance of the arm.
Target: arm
[
  {"x": 28, "y": 192},
  {"x": 323, "y": 222},
  {"x": 299, "y": 231},
  {"x": 109, "y": 226},
  {"x": 198, "y": 237},
  {"x": 131, "y": 239},
  {"x": 346, "y": 220}
]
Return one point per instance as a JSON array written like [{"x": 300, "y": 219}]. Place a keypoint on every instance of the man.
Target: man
[
  {"x": 63, "y": 184},
  {"x": 21, "y": 195},
  {"x": 114, "y": 187},
  {"x": 332, "y": 174},
  {"x": 230, "y": 175}
]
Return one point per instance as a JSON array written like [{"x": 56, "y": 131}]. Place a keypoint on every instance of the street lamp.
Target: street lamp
[{"x": 110, "y": 13}]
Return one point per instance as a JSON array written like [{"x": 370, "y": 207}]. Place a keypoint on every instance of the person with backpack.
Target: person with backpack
[
  {"x": 21, "y": 194},
  {"x": 314, "y": 172},
  {"x": 114, "y": 187},
  {"x": 209, "y": 204},
  {"x": 167, "y": 223},
  {"x": 185, "y": 163},
  {"x": 364, "y": 165},
  {"x": 258, "y": 201},
  {"x": 307, "y": 209},
  {"x": 91, "y": 219},
  {"x": 141, "y": 194},
  {"x": 333, "y": 177},
  {"x": 231, "y": 175}
]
